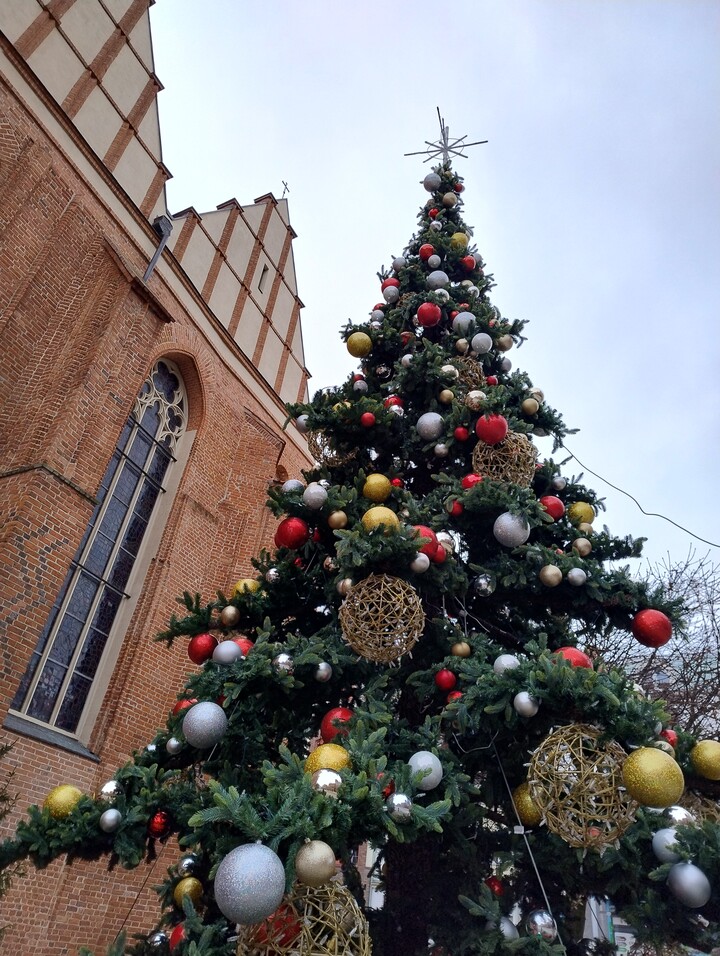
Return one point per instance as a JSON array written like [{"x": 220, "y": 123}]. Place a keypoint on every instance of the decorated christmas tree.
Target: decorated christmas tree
[{"x": 411, "y": 668}]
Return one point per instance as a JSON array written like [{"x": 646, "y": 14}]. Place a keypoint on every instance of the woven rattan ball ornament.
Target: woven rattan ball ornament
[
  {"x": 317, "y": 921},
  {"x": 513, "y": 460},
  {"x": 323, "y": 451},
  {"x": 471, "y": 373},
  {"x": 382, "y": 618},
  {"x": 577, "y": 784}
]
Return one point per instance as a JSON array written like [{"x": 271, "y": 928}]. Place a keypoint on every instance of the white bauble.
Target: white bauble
[
  {"x": 420, "y": 563},
  {"x": 511, "y": 530},
  {"x": 506, "y": 662},
  {"x": 427, "y": 762},
  {"x": 526, "y": 705},
  {"x": 434, "y": 261},
  {"x": 437, "y": 279},
  {"x": 432, "y": 182},
  {"x": 292, "y": 486},
  {"x": 559, "y": 483},
  {"x": 441, "y": 450},
  {"x": 315, "y": 496},
  {"x": 407, "y": 360},
  {"x": 430, "y": 425},
  {"x": 399, "y": 262},
  {"x": 227, "y": 652},
  {"x": 442, "y": 295},
  {"x": 576, "y": 576},
  {"x": 301, "y": 423},
  {"x": 481, "y": 343},
  {"x": 473, "y": 291},
  {"x": 204, "y": 724},
  {"x": 661, "y": 843},
  {"x": 436, "y": 226},
  {"x": 689, "y": 884},
  {"x": 249, "y": 883},
  {"x": 391, "y": 294},
  {"x": 110, "y": 820},
  {"x": 462, "y": 322},
  {"x": 377, "y": 315}
]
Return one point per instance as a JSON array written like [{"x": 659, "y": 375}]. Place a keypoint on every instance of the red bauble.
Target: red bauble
[
  {"x": 393, "y": 400},
  {"x": 469, "y": 481},
  {"x": 429, "y": 314},
  {"x": 358, "y": 377},
  {"x": 454, "y": 314},
  {"x": 463, "y": 305},
  {"x": 389, "y": 282},
  {"x": 458, "y": 187},
  {"x": 282, "y": 928},
  {"x": 445, "y": 679},
  {"x": 670, "y": 736},
  {"x": 574, "y": 656},
  {"x": 554, "y": 507},
  {"x": 389, "y": 787},
  {"x": 379, "y": 305},
  {"x": 159, "y": 824},
  {"x": 201, "y": 647},
  {"x": 177, "y": 936},
  {"x": 468, "y": 262},
  {"x": 406, "y": 337},
  {"x": 330, "y": 725},
  {"x": 292, "y": 533},
  {"x": 433, "y": 212},
  {"x": 461, "y": 433},
  {"x": 367, "y": 419},
  {"x": 426, "y": 250},
  {"x": 651, "y": 628},
  {"x": 491, "y": 429},
  {"x": 494, "y": 884},
  {"x": 183, "y": 705},
  {"x": 431, "y": 546},
  {"x": 245, "y": 644},
  {"x": 397, "y": 482},
  {"x": 439, "y": 555},
  {"x": 491, "y": 379},
  {"x": 454, "y": 695},
  {"x": 456, "y": 508}
]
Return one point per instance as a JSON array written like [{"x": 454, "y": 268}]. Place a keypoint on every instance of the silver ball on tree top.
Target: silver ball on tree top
[
  {"x": 511, "y": 530},
  {"x": 399, "y": 262},
  {"x": 437, "y": 279},
  {"x": 434, "y": 261},
  {"x": 432, "y": 182},
  {"x": 481, "y": 343},
  {"x": 293, "y": 486},
  {"x": 314, "y": 496}
]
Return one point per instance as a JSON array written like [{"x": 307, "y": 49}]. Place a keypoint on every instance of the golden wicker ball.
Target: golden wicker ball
[
  {"x": 641, "y": 948},
  {"x": 315, "y": 921},
  {"x": 321, "y": 448},
  {"x": 577, "y": 783},
  {"x": 704, "y": 808},
  {"x": 512, "y": 460},
  {"x": 471, "y": 374},
  {"x": 382, "y": 617}
]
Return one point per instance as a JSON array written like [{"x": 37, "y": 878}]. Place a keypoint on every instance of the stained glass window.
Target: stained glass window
[{"x": 59, "y": 677}]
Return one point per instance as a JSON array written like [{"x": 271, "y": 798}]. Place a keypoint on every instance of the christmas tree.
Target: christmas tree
[{"x": 411, "y": 668}]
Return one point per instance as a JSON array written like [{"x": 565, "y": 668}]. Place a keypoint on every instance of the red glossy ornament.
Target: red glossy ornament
[
  {"x": 574, "y": 656},
  {"x": 358, "y": 377},
  {"x": 367, "y": 419},
  {"x": 652, "y": 628},
  {"x": 494, "y": 884},
  {"x": 459, "y": 188},
  {"x": 201, "y": 647},
  {"x": 393, "y": 400},
  {"x": 454, "y": 314},
  {"x": 456, "y": 508},
  {"x": 454, "y": 695},
  {"x": 445, "y": 679},
  {"x": 406, "y": 337},
  {"x": 389, "y": 787},
  {"x": 439, "y": 555},
  {"x": 316, "y": 535},
  {"x": 463, "y": 305},
  {"x": 292, "y": 533},
  {"x": 183, "y": 705},
  {"x": 159, "y": 824},
  {"x": 379, "y": 305},
  {"x": 433, "y": 212},
  {"x": 469, "y": 481},
  {"x": 431, "y": 546},
  {"x": 670, "y": 736},
  {"x": 388, "y": 282},
  {"x": 426, "y": 250},
  {"x": 553, "y": 505},
  {"x": 491, "y": 379},
  {"x": 330, "y": 725},
  {"x": 461, "y": 433},
  {"x": 397, "y": 482},
  {"x": 429, "y": 314},
  {"x": 281, "y": 929},
  {"x": 491, "y": 429},
  {"x": 177, "y": 936},
  {"x": 245, "y": 645},
  {"x": 468, "y": 262}
]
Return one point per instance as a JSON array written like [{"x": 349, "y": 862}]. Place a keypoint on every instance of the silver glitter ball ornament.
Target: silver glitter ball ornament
[
  {"x": 437, "y": 279},
  {"x": 327, "y": 782},
  {"x": 559, "y": 483},
  {"x": 110, "y": 820},
  {"x": 293, "y": 486},
  {"x": 525, "y": 704},
  {"x": 158, "y": 943},
  {"x": 391, "y": 294},
  {"x": 283, "y": 663},
  {"x": 110, "y": 791},
  {"x": 434, "y": 261},
  {"x": 576, "y": 576},
  {"x": 226, "y": 652},
  {"x": 441, "y": 450},
  {"x": 505, "y": 662},
  {"x": 540, "y": 923},
  {"x": 377, "y": 315},
  {"x": 204, "y": 724},
  {"x": 511, "y": 530},
  {"x": 427, "y": 763},
  {"x": 662, "y": 842},
  {"x": 506, "y": 366},
  {"x": 432, "y": 182},
  {"x": 430, "y": 426},
  {"x": 249, "y": 883},
  {"x": 188, "y": 864},
  {"x": 485, "y": 584},
  {"x": 323, "y": 672},
  {"x": 462, "y": 323},
  {"x": 399, "y": 806},
  {"x": 689, "y": 884},
  {"x": 399, "y": 262},
  {"x": 173, "y": 746},
  {"x": 272, "y": 575},
  {"x": 314, "y": 496},
  {"x": 481, "y": 343}
]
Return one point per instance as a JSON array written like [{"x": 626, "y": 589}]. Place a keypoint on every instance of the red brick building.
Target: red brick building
[{"x": 144, "y": 365}]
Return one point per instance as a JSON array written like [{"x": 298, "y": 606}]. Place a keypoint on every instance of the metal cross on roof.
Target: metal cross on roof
[{"x": 445, "y": 147}]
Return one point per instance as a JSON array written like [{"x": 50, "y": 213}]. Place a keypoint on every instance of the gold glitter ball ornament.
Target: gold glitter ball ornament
[
  {"x": 380, "y": 517},
  {"x": 576, "y": 782},
  {"x": 511, "y": 460},
  {"x": 528, "y": 811},
  {"x": 315, "y": 863},
  {"x": 327, "y": 757},
  {"x": 580, "y": 512},
  {"x": 61, "y": 801},
  {"x": 459, "y": 241},
  {"x": 382, "y": 618},
  {"x": 245, "y": 586},
  {"x": 653, "y": 778},
  {"x": 705, "y": 759},
  {"x": 530, "y": 406},
  {"x": 189, "y": 886},
  {"x": 377, "y": 488},
  {"x": 359, "y": 344}
]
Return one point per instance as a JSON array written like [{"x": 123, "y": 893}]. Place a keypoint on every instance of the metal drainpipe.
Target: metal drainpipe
[{"x": 163, "y": 227}]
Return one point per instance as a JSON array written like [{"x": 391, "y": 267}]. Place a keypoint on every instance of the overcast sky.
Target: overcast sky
[{"x": 595, "y": 204}]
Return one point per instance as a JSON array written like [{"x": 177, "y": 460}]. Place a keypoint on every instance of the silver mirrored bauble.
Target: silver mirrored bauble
[
  {"x": 399, "y": 262},
  {"x": 559, "y": 483},
  {"x": 481, "y": 343},
  {"x": 314, "y": 496},
  {"x": 462, "y": 323},
  {"x": 383, "y": 372},
  {"x": 505, "y": 926},
  {"x": 110, "y": 820},
  {"x": 376, "y": 324},
  {"x": 188, "y": 864},
  {"x": 407, "y": 360},
  {"x": 436, "y": 226},
  {"x": 158, "y": 943},
  {"x": 437, "y": 279},
  {"x": 662, "y": 841},
  {"x": 391, "y": 294},
  {"x": 323, "y": 672},
  {"x": 506, "y": 366},
  {"x": 293, "y": 486},
  {"x": 283, "y": 663},
  {"x": 110, "y": 790},
  {"x": 434, "y": 262},
  {"x": 327, "y": 782},
  {"x": 204, "y": 724},
  {"x": 442, "y": 295},
  {"x": 377, "y": 315},
  {"x": 450, "y": 371},
  {"x": 679, "y": 816},
  {"x": 446, "y": 540},
  {"x": 576, "y": 576},
  {"x": 420, "y": 563},
  {"x": 427, "y": 763},
  {"x": 441, "y": 450},
  {"x": 473, "y": 291},
  {"x": 399, "y": 806},
  {"x": 272, "y": 575},
  {"x": 360, "y": 386},
  {"x": 511, "y": 530},
  {"x": 484, "y": 584},
  {"x": 505, "y": 662},
  {"x": 540, "y": 923},
  {"x": 173, "y": 746},
  {"x": 689, "y": 884},
  {"x": 430, "y": 426},
  {"x": 249, "y": 883},
  {"x": 301, "y": 423},
  {"x": 432, "y": 182},
  {"x": 397, "y": 410},
  {"x": 525, "y": 704},
  {"x": 226, "y": 652}
]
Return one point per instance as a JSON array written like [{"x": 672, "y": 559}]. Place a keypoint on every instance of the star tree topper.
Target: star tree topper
[{"x": 445, "y": 147}]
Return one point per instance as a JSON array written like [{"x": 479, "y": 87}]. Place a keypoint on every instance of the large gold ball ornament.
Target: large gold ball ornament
[
  {"x": 462, "y": 346},
  {"x": 327, "y": 757},
  {"x": 446, "y": 396},
  {"x": 705, "y": 758},
  {"x": 189, "y": 886},
  {"x": 530, "y": 406},
  {"x": 377, "y": 488},
  {"x": 229, "y": 616},
  {"x": 474, "y": 399},
  {"x": 585, "y": 528},
  {"x": 582, "y": 547},
  {"x": 315, "y": 863},
  {"x": 359, "y": 344},
  {"x": 382, "y": 617},
  {"x": 380, "y": 517},
  {"x": 528, "y": 811},
  {"x": 504, "y": 343},
  {"x": 653, "y": 778},
  {"x": 61, "y": 801},
  {"x": 550, "y": 575},
  {"x": 337, "y": 520},
  {"x": 459, "y": 241},
  {"x": 461, "y": 649},
  {"x": 245, "y": 586},
  {"x": 581, "y": 512}
]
